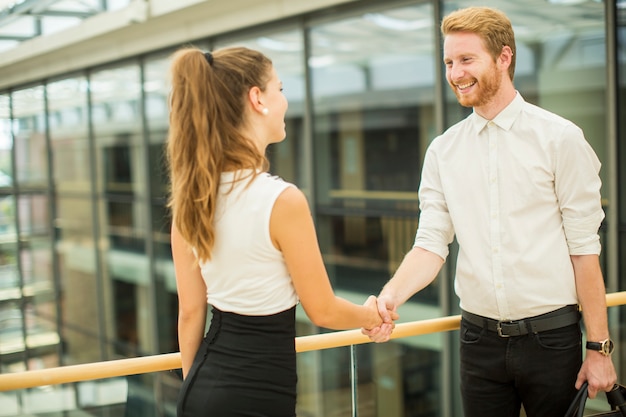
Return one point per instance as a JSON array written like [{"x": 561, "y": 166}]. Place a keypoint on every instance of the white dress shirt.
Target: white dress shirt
[{"x": 522, "y": 194}]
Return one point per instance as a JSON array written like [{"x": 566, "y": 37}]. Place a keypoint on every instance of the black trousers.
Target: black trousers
[
  {"x": 537, "y": 370},
  {"x": 245, "y": 367}
]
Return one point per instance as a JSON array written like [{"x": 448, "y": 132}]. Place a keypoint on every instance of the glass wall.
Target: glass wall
[
  {"x": 83, "y": 184},
  {"x": 12, "y": 341},
  {"x": 39, "y": 306},
  {"x": 285, "y": 47},
  {"x": 156, "y": 113},
  {"x": 122, "y": 204},
  {"x": 373, "y": 93},
  {"x": 620, "y": 44},
  {"x": 75, "y": 248}
]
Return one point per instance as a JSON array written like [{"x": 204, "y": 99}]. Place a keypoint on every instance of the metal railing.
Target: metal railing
[{"x": 166, "y": 362}]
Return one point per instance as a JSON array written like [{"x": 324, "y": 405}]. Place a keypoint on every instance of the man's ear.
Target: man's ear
[
  {"x": 506, "y": 56},
  {"x": 255, "y": 99}
]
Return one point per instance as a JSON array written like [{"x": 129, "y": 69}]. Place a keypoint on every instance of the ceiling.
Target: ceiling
[{"x": 21, "y": 20}]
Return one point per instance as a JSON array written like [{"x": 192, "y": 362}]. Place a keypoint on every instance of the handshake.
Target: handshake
[{"x": 384, "y": 313}]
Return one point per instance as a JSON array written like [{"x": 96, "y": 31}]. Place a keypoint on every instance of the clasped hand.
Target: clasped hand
[{"x": 388, "y": 314}]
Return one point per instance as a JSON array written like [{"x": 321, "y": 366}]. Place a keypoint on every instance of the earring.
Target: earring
[{"x": 265, "y": 111}]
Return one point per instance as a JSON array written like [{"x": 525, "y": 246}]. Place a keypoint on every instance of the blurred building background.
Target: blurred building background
[{"x": 85, "y": 266}]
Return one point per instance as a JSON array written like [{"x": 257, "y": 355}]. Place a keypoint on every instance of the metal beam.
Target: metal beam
[
  {"x": 11, "y": 14},
  {"x": 62, "y": 13},
  {"x": 15, "y": 38}
]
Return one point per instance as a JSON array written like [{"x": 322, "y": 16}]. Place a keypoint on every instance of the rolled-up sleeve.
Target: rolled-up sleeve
[
  {"x": 435, "y": 231},
  {"x": 582, "y": 235},
  {"x": 577, "y": 184}
]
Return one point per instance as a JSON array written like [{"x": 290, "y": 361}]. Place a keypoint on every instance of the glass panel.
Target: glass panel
[
  {"x": 9, "y": 277},
  {"x": 12, "y": 340},
  {"x": 11, "y": 332},
  {"x": 40, "y": 307},
  {"x": 29, "y": 132},
  {"x": 157, "y": 116},
  {"x": 75, "y": 249},
  {"x": 392, "y": 380},
  {"x": 80, "y": 298},
  {"x": 373, "y": 84},
  {"x": 123, "y": 208},
  {"x": 401, "y": 379},
  {"x": 68, "y": 127},
  {"x": 106, "y": 397},
  {"x": 286, "y": 50},
  {"x": 620, "y": 10},
  {"x": 621, "y": 96},
  {"x": 6, "y": 143}
]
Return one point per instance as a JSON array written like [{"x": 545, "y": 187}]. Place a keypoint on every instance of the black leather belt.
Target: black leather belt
[{"x": 556, "y": 319}]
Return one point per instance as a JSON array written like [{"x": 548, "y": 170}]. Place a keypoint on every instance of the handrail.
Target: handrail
[{"x": 169, "y": 361}]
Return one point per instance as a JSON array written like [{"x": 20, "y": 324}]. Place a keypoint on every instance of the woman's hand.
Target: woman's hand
[{"x": 387, "y": 314}]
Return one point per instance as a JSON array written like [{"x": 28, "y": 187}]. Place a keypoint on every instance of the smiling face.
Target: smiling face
[{"x": 472, "y": 73}]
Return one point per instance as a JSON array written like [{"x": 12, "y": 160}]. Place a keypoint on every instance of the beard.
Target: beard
[{"x": 488, "y": 83}]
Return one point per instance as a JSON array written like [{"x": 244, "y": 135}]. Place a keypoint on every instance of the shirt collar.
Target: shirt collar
[{"x": 504, "y": 119}]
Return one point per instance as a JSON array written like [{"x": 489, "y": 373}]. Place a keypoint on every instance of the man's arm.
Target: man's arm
[
  {"x": 597, "y": 369},
  {"x": 418, "y": 269}
]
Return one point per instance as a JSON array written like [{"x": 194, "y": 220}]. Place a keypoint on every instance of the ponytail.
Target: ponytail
[{"x": 207, "y": 104}]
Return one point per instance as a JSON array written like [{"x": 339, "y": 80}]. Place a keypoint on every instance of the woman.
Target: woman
[{"x": 242, "y": 241}]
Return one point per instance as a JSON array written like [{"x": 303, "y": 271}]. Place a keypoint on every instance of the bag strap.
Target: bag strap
[
  {"x": 577, "y": 407},
  {"x": 617, "y": 398}
]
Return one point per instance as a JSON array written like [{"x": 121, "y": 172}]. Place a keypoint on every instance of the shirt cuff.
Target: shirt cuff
[{"x": 582, "y": 234}]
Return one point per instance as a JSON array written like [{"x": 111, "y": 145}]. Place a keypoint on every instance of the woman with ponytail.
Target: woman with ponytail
[{"x": 243, "y": 241}]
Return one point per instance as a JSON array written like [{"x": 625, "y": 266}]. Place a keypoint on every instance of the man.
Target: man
[{"x": 519, "y": 187}]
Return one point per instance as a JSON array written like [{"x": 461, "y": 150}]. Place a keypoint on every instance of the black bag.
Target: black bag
[{"x": 616, "y": 398}]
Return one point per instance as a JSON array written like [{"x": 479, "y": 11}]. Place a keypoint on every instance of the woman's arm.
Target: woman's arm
[
  {"x": 293, "y": 233},
  {"x": 192, "y": 301}
]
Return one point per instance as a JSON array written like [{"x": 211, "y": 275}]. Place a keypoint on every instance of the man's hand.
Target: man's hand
[
  {"x": 598, "y": 371},
  {"x": 388, "y": 314}
]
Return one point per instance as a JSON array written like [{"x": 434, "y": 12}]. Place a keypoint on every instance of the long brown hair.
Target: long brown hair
[
  {"x": 207, "y": 108},
  {"x": 491, "y": 25}
]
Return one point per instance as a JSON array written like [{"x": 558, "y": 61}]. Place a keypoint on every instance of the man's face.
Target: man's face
[{"x": 470, "y": 70}]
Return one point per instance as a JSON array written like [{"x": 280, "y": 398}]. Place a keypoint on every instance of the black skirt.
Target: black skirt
[{"x": 245, "y": 367}]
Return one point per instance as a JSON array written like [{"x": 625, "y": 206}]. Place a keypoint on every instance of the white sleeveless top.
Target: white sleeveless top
[{"x": 247, "y": 274}]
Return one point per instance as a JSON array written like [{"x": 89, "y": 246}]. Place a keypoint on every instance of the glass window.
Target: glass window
[
  {"x": 117, "y": 120},
  {"x": 373, "y": 86},
  {"x": 156, "y": 93},
  {"x": 286, "y": 50},
  {"x": 68, "y": 127},
  {"x": 40, "y": 306},
  {"x": 80, "y": 298},
  {"x": 6, "y": 143},
  {"x": 121, "y": 183},
  {"x": 373, "y": 79},
  {"x": 33, "y": 220},
  {"x": 29, "y": 133},
  {"x": 621, "y": 95},
  {"x": 11, "y": 318}
]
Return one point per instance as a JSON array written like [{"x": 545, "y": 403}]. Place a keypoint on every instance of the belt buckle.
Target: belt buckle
[{"x": 499, "y": 328}]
